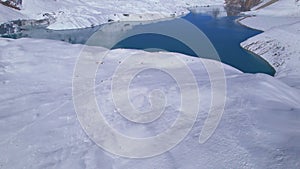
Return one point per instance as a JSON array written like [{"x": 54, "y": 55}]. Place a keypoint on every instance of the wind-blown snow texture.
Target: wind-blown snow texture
[
  {"x": 71, "y": 14},
  {"x": 279, "y": 44},
  {"x": 39, "y": 128}
]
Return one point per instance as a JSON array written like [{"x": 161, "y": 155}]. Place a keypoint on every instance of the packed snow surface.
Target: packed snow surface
[
  {"x": 72, "y": 14},
  {"x": 39, "y": 126}
]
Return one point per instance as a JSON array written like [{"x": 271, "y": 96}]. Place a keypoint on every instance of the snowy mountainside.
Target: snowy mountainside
[
  {"x": 71, "y": 14},
  {"x": 285, "y": 8},
  {"x": 39, "y": 126}
]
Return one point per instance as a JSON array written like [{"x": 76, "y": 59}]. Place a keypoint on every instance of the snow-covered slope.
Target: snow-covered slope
[
  {"x": 280, "y": 47},
  {"x": 8, "y": 14},
  {"x": 71, "y": 14},
  {"x": 279, "y": 8},
  {"x": 39, "y": 126},
  {"x": 279, "y": 44}
]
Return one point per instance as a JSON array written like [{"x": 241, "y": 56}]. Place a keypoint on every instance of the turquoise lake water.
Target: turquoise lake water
[{"x": 223, "y": 32}]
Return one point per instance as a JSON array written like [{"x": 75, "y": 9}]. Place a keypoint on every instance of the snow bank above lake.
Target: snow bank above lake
[
  {"x": 72, "y": 14},
  {"x": 279, "y": 44},
  {"x": 39, "y": 127},
  {"x": 280, "y": 47}
]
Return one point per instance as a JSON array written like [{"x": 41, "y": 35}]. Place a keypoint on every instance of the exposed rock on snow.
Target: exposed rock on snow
[
  {"x": 235, "y": 6},
  {"x": 39, "y": 127},
  {"x": 15, "y": 4}
]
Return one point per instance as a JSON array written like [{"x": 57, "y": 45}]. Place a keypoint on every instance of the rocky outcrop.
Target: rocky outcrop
[
  {"x": 16, "y": 4},
  {"x": 13, "y": 28},
  {"x": 233, "y": 7}
]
